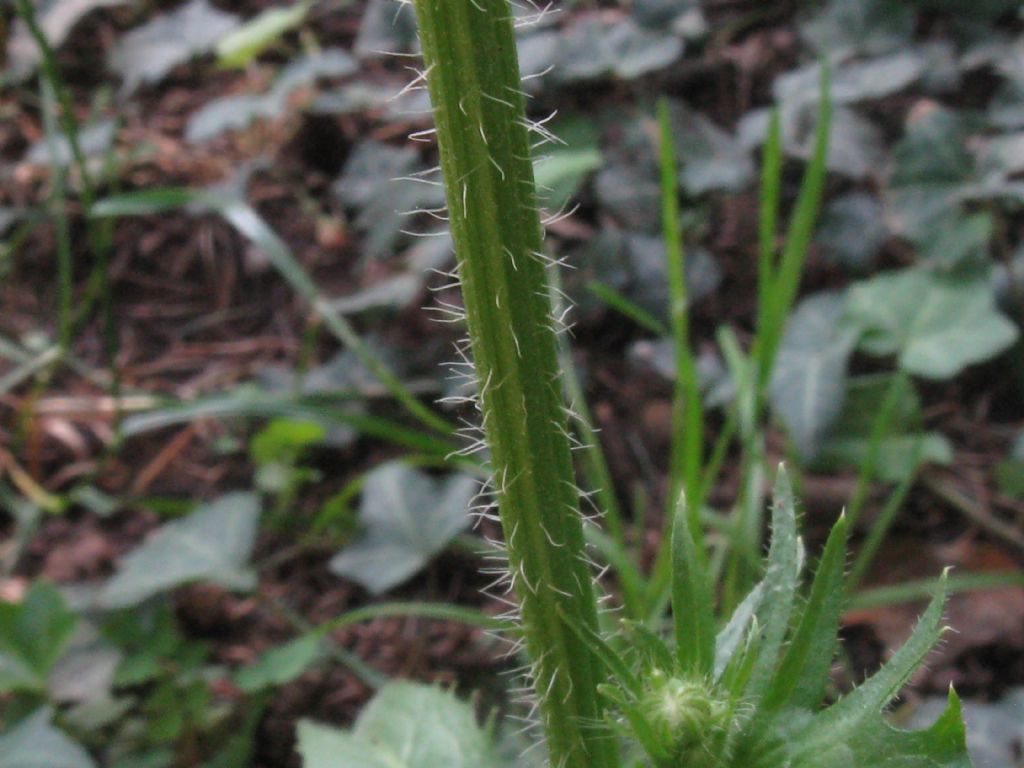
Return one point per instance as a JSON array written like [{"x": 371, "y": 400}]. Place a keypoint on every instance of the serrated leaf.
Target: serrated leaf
[
  {"x": 407, "y": 518},
  {"x": 36, "y": 743},
  {"x": 406, "y": 725},
  {"x": 211, "y": 544},
  {"x": 782, "y": 573},
  {"x": 33, "y": 635},
  {"x": 841, "y": 722},
  {"x": 808, "y": 382},
  {"x": 148, "y": 53},
  {"x": 803, "y": 674},
  {"x": 935, "y": 326},
  {"x": 693, "y": 609}
]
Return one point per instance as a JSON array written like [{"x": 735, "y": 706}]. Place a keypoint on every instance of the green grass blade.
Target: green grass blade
[
  {"x": 253, "y": 227},
  {"x": 786, "y": 280}
]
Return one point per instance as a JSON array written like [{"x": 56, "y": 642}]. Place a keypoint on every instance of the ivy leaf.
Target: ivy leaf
[
  {"x": 851, "y": 231},
  {"x": 594, "y": 48},
  {"x": 282, "y": 664},
  {"x": 371, "y": 182},
  {"x": 56, "y": 18},
  {"x": 902, "y": 448},
  {"x": 212, "y": 544},
  {"x": 407, "y": 518},
  {"x": 406, "y": 725},
  {"x": 148, "y": 53},
  {"x": 33, "y": 635},
  {"x": 36, "y": 743},
  {"x": 711, "y": 158},
  {"x": 936, "y": 326},
  {"x": 238, "y": 112},
  {"x": 846, "y": 28},
  {"x": 809, "y": 380}
]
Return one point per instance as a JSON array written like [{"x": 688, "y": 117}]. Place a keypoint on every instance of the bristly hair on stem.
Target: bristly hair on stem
[{"x": 472, "y": 73}]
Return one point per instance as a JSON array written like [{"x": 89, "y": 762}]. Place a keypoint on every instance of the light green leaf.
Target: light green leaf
[
  {"x": 247, "y": 42},
  {"x": 936, "y": 326},
  {"x": 407, "y": 518},
  {"x": 560, "y": 172},
  {"x": 33, "y": 635},
  {"x": 148, "y": 53},
  {"x": 802, "y": 677},
  {"x": 808, "y": 382},
  {"x": 406, "y": 725},
  {"x": 36, "y": 743},
  {"x": 212, "y": 544},
  {"x": 782, "y": 573},
  {"x": 693, "y": 608}
]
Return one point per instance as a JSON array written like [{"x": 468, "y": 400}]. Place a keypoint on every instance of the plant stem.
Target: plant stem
[{"x": 472, "y": 74}]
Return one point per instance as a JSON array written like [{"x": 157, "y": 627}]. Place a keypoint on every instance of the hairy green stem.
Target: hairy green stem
[{"x": 472, "y": 73}]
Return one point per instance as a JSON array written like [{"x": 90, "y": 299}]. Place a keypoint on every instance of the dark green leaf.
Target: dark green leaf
[{"x": 33, "y": 635}]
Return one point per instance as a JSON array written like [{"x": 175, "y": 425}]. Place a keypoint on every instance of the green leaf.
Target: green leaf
[
  {"x": 406, "y": 725},
  {"x": 239, "y": 111},
  {"x": 282, "y": 664},
  {"x": 408, "y": 517},
  {"x": 33, "y": 635},
  {"x": 808, "y": 384},
  {"x": 711, "y": 158},
  {"x": 560, "y": 172},
  {"x": 212, "y": 544},
  {"x": 693, "y": 610},
  {"x": 594, "y": 48},
  {"x": 803, "y": 675},
  {"x": 56, "y": 18},
  {"x": 782, "y": 573},
  {"x": 36, "y": 743},
  {"x": 247, "y": 42},
  {"x": 148, "y": 53},
  {"x": 284, "y": 439},
  {"x": 899, "y": 454},
  {"x": 842, "y": 720},
  {"x": 936, "y": 326},
  {"x": 859, "y": 27},
  {"x": 851, "y": 231}
]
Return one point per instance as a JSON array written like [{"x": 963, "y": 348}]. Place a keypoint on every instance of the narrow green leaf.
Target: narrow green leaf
[
  {"x": 693, "y": 612},
  {"x": 802, "y": 677},
  {"x": 868, "y": 700},
  {"x": 780, "y": 583}
]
